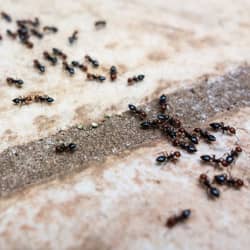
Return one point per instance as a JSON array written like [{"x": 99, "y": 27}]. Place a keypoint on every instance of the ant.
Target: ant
[
  {"x": 162, "y": 118},
  {"x": 234, "y": 153},
  {"x": 11, "y": 34},
  {"x": 70, "y": 70},
  {"x": 174, "y": 219},
  {"x": 165, "y": 157},
  {"x": 36, "y": 33},
  {"x": 50, "y": 58},
  {"x": 156, "y": 123},
  {"x": 163, "y": 103},
  {"x": 134, "y": 79},
  {"x": 204, "y": 134},
  {"x": 220, "y": 125},
  {"x": 213, "y": 159},
  {"x": 193, "y": 138},
  {"x": 22, "y": 100},
  {"x": 39, "y": 66},
  {"x": 28, "y": 44},
  {"x": 224, "y": 179},
  {"x": 113, "y": 73},
  {"x": 58, "y": 52},
  {"x": 71, "y": 147},
  {"x": 100, "y": 24},
  {"x": 43, "y": 98},
  {"x": 51, "y": 29},
  {"x": 1, "y": 38},
  {"x": 96, "y": 77},
  {"x": 6, "y": 17},
  {"x": 212, "y": 191},
  {"x": 23, "y": 33},
  {"x": 169, "y": 131},
  {"x": 149, "y": 124},
  {"x": 85, "y": 69},
  {"x": 174, "y": 122},
  {"x": 17, "y": 82},
  {"x": 142, "y": 114},
  {"x": 190, "y": 148},
  {"x": 73, "y": 37},
  {"x": 34, "y": 23},
  {"x": 75, "y": 63},
  {"x": 94, "y": 62}
]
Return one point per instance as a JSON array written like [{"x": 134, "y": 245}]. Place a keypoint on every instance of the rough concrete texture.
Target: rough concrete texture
[
  {"x": 37, "y": 161},
  {"x": 197, "y": 52},
  {"x": 124, "y": 203},
  {"x": 172, "y": 43}
]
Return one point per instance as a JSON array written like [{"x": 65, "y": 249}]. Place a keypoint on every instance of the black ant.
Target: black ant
[
  {"x": 162, "y": 118},
  {"x": 142, "y": 114},
  {"x": 28, "y": 44},
  {"x": 149, "y": 124},
  {"x": 36, "y": 33},
  {"x": 204, "y": 134},
  {"x": 134, "y": 79},
  {"x": 43, "y": 98},
  {"x": 189, "y": 147},
  {"x": 6, "y": 17},
  {"x": 220, "y": 125},
  {"x": 231, "y": 156},
  {"x": 68, "y": 68},
  {"x": 212, "y": 191},
  {"x": 22, "y": 100},
  {"x": 34, "y": 23},
  {"x": 58, "y": 52},
  {"x": 165, "y": 157},
  {"x": 73, "y": 37},
  {"x": 18, "y": 82},
  {"x": 174, "y": 122},
  {"x": 11, "y": 34},
  {"x": 224, "y": 179},
  {"x": 193, "y": 138},
  {"x": 50, "y": 58},
  {"x": 23, "y": 33},
  {"x": 156, "y": 123},
  {"x": 113, "y": 73},
  {"x": 169, "y": 131},
  {"x": 96, "y": 77},
  {"x": 100, "y": 24},
  {"x": 39, "y": 66},
  {"x": 71, "y": 147},
  {"x": 163, "y": 103},
  {"x": 52, "y": 29},
  {"x": 94, "y": 62},
  {"x": 85, "y": 69},
  {"x": 75, "y": 63},
  {"x": 175, "y": 219},
  {"x": 213, "y": 159}
]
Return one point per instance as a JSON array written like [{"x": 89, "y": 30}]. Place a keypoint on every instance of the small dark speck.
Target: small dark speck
[{"x": 192, "y": 91}]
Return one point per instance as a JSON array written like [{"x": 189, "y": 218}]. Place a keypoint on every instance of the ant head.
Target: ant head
[
  {"x": 232, "y": 130},
  {"x": 224, "y": 163},
  {"x": 197, "y": 130},
  {"x": 238, "y": 149},
  {"x": 177, "y": 154},
  {"x": 203, "y": 177}
]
